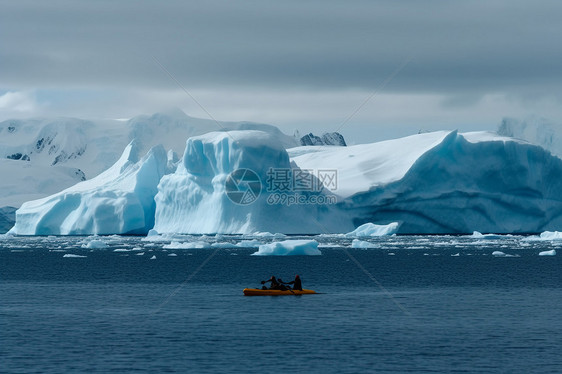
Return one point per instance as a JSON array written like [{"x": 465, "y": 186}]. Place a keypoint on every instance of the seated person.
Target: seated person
[
  {"x": 297, "y": 285},
  {"x": 274, "y": 285}
]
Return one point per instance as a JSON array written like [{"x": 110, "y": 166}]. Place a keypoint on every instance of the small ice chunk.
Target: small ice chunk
[
  {"x": 95, "y": 244},
  {"x": 153, "y": 257},
  {"x": 552, "y": 252},
  {"x": 266, "y": 234},
  {"x": 140, "y": 254},
  {"x": 249, "y": 244},
  {"x": 187, "y": 245},
  {"x": 121, "y": 250},
  {"x": 370, "y": 229},
  {"x": 223, "y": 245},
  {"x": 288, "y": 248},
  {"x": 172, "y": 255},
  {"x": 356, "y": 243},
  {"x": 456, "y": 255},
  {"x": 502, "y": 254},
  {"x": 69, "y": 255}
]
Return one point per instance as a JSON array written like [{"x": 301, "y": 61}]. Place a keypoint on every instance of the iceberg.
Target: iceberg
[
  {"x": 195, "y": 198},
  {"x": 446, "y": 183},
  {"x": 289, "y": 248},
  {"x": 431, "y": 183},
  {"x": 370, "y": 229},
  {"x": 551, "y": 235},
  {"x": 118, "y": 201},
  {"x": 552, "y": 252}
]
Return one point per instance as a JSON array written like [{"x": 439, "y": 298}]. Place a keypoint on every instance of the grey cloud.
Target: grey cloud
[{"x": 470, "y": 46}]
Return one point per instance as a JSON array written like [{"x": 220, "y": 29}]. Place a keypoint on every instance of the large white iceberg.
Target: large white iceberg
[
  {"x": 118, "y": 201},
  {"x": 195, "y": 199},
  {"x": 445, "y": 182}
]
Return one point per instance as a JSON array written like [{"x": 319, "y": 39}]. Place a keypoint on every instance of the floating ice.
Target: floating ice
[
  {"x": 187, "y": 245},
  {"x": 153, "y": 257},
  {"x": 552, "y": 252},
  {"x": 95, "y": 243},
  {"x": 370, "y": 229},
  {"x": 223, "y": 245},
  {"x": 6, "y": 236},
  {"x": 259, "y": 234},
  {"x": 502, "y": 254},
  {"x": 172, "y": 255},
  {"x": 551, "y": 235},
  {"x": 121, "y": 250},
  {"x": 249, "y": 244},
  {"x": 478, "y": 235},
  {"x": 288, "y": 248},
  {"x": 69, "y": 255},
  {"x": 356, "y": 243}
]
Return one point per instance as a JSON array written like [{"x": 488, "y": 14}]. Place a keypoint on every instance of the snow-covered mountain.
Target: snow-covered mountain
[
  {"x": 329, "y": 138},
  {"x": 44, "y": 156},
  {"x": 441, "y": 182}
]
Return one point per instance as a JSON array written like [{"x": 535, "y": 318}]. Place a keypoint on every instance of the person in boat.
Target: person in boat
[
  {"x": 297, "y": 284},
  {"x": 274, "y": 285}
]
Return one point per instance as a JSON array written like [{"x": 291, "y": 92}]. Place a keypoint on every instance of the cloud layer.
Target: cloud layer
[{"x": 463, "y": 52}]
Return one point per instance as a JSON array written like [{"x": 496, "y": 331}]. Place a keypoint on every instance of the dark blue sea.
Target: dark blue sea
[{"x": 411, "y": 304}]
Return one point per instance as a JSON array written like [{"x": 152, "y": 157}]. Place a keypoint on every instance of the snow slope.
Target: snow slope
[
  {"x": 118, "y": 201},
  {"x": 447, "y": 183},
  {"x": 364, "y": 166}
]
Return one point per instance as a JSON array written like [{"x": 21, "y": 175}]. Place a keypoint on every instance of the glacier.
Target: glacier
[{"x": 433, "y": 183}]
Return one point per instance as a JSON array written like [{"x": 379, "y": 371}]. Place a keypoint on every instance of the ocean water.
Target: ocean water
[{"x": 419, "y": 304}]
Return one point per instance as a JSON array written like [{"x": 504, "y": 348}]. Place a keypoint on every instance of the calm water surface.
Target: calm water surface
[{"x": 413, "y": 304}]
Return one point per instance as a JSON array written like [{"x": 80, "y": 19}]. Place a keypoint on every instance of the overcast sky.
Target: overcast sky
[{"x": 307, "y": 65}]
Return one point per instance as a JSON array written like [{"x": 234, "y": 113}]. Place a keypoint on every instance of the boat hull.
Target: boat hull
[{"x": 258, "y": 292}]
